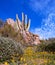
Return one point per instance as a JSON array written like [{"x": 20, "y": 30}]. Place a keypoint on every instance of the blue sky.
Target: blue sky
[{"x": 41, "y": 13}]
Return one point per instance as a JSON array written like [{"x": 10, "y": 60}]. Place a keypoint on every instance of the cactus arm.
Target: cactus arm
[
  {"x": 17, "y": 17},
  {"x": 28, "y": 25},
  {"x": 16, "y": 26},
  {"x": 25, "y": 22},
  {"x": 22, "y": 17},
  {"x": 18, "y": 22}
]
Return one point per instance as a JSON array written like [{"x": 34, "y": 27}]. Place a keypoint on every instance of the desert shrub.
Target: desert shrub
[
  {"x": 7, "y": 31},
  {"x": 10, "y": 49},
  {"x": 46, "y": 45},
  {"x": 40, "y": 47},
  {"x": 50, "y": 47}
]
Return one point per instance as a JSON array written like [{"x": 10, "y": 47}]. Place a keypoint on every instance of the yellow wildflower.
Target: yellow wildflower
[
  {"x": 45, "y": 61},
  {"x": 21, "y": 59},
  {"x": 54, "y": 62},
  {"x": 12, "y": 60},
  {"x": 24, "y": 59},
  {"x": 25, "y": 64},
  {"x": 6, "y": 63}
]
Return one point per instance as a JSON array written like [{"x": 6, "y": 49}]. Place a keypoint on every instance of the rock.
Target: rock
[
  {"x": 12, "y": 27},
  {"x": 31, "y": 38}
]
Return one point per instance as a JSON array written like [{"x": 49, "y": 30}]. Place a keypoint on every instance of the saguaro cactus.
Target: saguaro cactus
[{"x": 24, "y": 25}]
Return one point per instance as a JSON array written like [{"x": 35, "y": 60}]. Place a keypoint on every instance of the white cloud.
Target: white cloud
[
  {"x": 43, "y": 6},
  {"x": 38, "y": 4},
  {"x": 47, "y": 29}
]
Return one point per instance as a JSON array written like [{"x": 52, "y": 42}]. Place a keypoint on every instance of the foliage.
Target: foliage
[
  {"x": 10, "y": 49},
  {"x": 7, "y": 31},
  {"x": 30, "y": 57},
  {"x": 13, "y": 53},
  {"x": 37, "y": 58},
  {"x": 46, "y": 45}
]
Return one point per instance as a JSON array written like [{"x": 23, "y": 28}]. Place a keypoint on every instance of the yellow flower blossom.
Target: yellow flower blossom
[
  {"x": 6, "y": 63},
  {"x": 45, "y": 61},
  {"x": 24, "y": 59},
  {"x": 21, "y": 59},
  {"x": 12, "y": 60},
  {"x": 25, "y": 64},
  {"x": 54, "y": 62}
]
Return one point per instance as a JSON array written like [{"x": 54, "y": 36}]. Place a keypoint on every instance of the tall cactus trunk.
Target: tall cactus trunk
[
  {"x": 23, "y": 20},
  {"x": 26, "y": 21}
]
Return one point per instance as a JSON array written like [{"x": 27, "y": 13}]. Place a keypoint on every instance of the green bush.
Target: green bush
[
  {"x": 10, "y": 49},
  {"x": 46, "y": 45}
]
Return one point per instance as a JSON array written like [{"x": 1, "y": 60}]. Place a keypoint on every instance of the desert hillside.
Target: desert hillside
[{"x": 18, "y": 46}]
